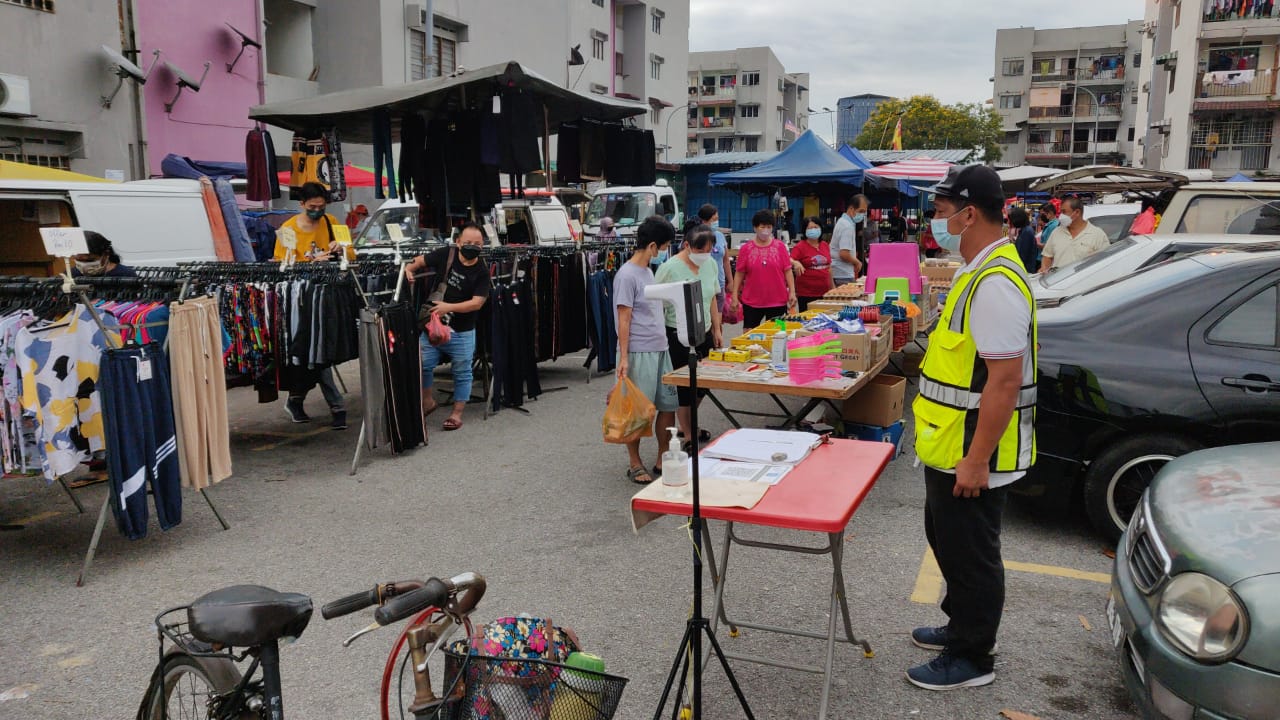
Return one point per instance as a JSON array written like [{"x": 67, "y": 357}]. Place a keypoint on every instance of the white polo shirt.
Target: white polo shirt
[{"x": 1065, "y": 249}]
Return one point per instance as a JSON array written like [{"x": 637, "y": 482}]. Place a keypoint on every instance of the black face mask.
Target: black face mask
[{"x": 469, "y": 252}]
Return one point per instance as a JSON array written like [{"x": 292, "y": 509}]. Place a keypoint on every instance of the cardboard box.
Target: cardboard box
[
  {"x": 856, "y": 351},
  {"x": 878, "y": 403},
  {"x": 940, "y": 273},
  {"x": 881, "y": 347},
  {"x": 891, "y": 434}
]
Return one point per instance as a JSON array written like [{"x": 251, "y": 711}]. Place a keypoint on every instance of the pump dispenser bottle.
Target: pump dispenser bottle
[{"x": 675, "y": 466}]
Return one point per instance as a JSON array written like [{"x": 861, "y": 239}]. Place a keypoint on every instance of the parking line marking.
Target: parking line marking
[
  {"x": 37, "y": 517},
  {"x": 929, "y": 581},
  {"x": 292, "y": 437}
]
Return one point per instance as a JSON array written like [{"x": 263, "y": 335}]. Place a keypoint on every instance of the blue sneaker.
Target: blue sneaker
[
  {"x": 935, "y": 638},
  {"x": 948, "y": 672}
]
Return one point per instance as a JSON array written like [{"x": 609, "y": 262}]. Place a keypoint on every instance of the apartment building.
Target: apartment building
[
  {"x": 852, "y": 114},
  {"x": 1207, "y": 101},
  {"x": 1068, "y": 97},
  {"x": 629, "y": 48},
  {"x": 743, "y": 100}
]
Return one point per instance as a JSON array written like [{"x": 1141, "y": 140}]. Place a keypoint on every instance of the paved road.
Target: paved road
[{"x": 538, "y": 504}]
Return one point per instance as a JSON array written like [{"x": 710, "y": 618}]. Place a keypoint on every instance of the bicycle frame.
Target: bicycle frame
[{"x": 421, "y": 678}]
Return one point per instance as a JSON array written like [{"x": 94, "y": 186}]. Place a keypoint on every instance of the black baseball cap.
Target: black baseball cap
[{"x": 973, "y": 184}]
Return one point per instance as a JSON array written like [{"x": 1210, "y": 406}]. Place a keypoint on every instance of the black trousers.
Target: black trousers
[
  {"x": 753, "y": 316},
  {"x": 964, "y": 534}
]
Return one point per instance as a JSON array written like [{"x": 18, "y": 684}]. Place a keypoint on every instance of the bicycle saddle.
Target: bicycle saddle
[{"x": 248, "y": 616}]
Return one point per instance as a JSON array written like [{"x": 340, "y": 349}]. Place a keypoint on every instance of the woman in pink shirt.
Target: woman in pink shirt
[{"x": 764, "y": 284}]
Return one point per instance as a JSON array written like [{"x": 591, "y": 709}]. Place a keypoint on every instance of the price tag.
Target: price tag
[
  {"x": 395, "y": 233},
  {"x": 342, "y": 234},
  {"x": 64, "y": 241},
  {"x": 144, "y": 370},
  {"x": 289, "y": 238}
]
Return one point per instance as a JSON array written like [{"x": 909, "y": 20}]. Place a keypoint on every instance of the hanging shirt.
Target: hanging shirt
[{"x": 59, "y": 369}]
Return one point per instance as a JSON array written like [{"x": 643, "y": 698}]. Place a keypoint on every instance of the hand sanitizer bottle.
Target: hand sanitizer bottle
[
  {"x": 675, "y": 467},
  {"x": 778, "y": 355}
]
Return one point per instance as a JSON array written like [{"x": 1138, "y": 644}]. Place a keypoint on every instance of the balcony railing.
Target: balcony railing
[
  {"x": 1082, "y": 111},
  {"x": 1236, "y": 83},
  {"x": 1229, "y": 158},
  {"x": 1082, "y": 147},
  {"x": 710, "y": 123},
  {"x": 709, "y": 92},
  {"x": 1089, "y": 74},
  {"x": 1261, "y": 14},
  {"x": 1051, "y": 76}
]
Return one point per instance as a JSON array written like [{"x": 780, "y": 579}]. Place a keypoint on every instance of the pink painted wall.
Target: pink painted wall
[{"x": 210, "y": 124}]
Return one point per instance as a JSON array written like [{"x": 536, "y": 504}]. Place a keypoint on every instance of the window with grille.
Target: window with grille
[
  {"x": 58, "y": 162},
  {"x": 724, "y": 144},
  {"x": 41, "y": 5},
  {"x": 618, "y": 64},
  {"x": 599, "y": 3},
  {"x": 751, "y": 144},
  {"x": 657, "y": 24},
  {"x": 749, "y": 111},
  {"x": 1009, "y": 102},
  {"x": 444, "y": 49},
  {"x": 1013, "y": 67},
  {"x": 655, "y": 69},
  {"x": 751, "y": 78},
  {"x": 655, "y": 115},
  {"x": 597, "y": 48},
  {"x": 1237, "y": 142}
]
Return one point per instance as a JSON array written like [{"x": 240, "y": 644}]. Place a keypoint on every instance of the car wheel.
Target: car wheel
[{"x": 1119, "y": 474}]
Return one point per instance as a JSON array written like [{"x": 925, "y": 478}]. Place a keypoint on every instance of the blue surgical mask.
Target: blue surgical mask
[
  {"x": 944, "y": 238},
  {"x": 813, "y": 233},
  {"x": 662, "y": 256},
  {"x": 860, "y": 217}
]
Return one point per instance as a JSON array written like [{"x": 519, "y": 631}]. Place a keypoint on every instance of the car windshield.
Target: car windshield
[
  {"x": 1233, "y": 215},
  {"x": 1115, "y": 226},
  {"x": 1124, "y": 291},
  {"x": 375, "y": 232},
  {"x": 627, "y": 208},
  {"x": 1059, "y": 276}
]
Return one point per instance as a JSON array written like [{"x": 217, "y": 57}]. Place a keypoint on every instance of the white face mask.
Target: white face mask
[
  {"x": 700, "y": 259},
  {"x": 1064, "y": 221},
  {"x": 90, "y": 267}
]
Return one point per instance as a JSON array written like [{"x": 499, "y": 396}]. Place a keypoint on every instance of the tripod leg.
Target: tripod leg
[
  {"x": 728, "y": 671},
  {"x": 681, "y": 654},
  {"x": 681, "y": 699}
]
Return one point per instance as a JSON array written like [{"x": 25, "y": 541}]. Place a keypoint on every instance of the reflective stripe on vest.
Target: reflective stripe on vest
[{"x": 953, "y": 377}]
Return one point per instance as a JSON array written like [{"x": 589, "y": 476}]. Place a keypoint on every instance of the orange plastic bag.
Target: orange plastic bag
[{"x": 629, "y": 414}]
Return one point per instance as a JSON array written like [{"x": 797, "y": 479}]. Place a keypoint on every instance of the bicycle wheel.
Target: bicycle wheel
[{"x": 187, "y": 689}]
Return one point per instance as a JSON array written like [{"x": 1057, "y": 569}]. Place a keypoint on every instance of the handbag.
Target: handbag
[{"x": 437, "y": 332}]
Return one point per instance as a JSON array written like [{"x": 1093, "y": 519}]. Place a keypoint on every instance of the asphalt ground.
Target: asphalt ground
[{"x": 539, "y": 505}]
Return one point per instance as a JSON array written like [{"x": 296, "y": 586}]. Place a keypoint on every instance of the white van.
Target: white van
[
  {"x": 149, "y": 222},
  {"x": 539, "y": 220},
  {"x": 628, "y": 206}
]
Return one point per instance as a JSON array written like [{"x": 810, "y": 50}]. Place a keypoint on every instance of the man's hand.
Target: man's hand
[
  {"x": 971, "y": 478},
  {"x": 622, "y": 367},
  {"x": 443, "y": 308}
]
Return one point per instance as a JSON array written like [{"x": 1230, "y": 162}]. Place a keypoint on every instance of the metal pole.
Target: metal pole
[{"x": 1097, "y": 114}]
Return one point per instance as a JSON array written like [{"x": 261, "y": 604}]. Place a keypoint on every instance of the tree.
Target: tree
[{"x": 928, "y": 124}]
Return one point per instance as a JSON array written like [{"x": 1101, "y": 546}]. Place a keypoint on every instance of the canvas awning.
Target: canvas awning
[
  {"x": 350, "y": 111},
  {"x": 10, "y": 170},
  {"x": 922, "y": 169},
  {"x": 807, "y": 161}
]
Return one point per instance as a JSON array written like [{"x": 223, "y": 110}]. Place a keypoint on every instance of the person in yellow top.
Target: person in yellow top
[{"x": 314, "y": 229}]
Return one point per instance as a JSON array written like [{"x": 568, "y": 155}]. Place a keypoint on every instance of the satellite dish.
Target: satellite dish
[
  {"x": 124, "y": 67},
  {"x": 184, "y": 82}
]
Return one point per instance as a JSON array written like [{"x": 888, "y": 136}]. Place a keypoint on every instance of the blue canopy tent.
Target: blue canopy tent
[
  {"x": 1239, "y": 177},
  {"x": 806, "y": 163}
]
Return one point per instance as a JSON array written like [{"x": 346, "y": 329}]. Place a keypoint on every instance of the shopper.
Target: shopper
[
  {"x": 813, "y": 257},
  {"x": 710, "y": 216},
  {"x": 695, "y": 261},
  {"x": 845, "y": 265},
  {"x": 927, "y": 244},
  {"x": 764, "y": 283},
  {"x": 1049, "y": 216},
  {"x": 313, "y": 230},
  {"x": 974, "y": 425},
  {"x": 1074, "y": 239},
  {"x": 466, "y": 288},
  {"x": 607, "y": 233},
  {"x": 1024, "y": 238},
  {"x": 897, "y": 226},
  {"x": 101, "y": 260},
  {"x": 642, "y": 337}
]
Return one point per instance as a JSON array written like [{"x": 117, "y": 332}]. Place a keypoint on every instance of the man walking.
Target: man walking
[
  {"x": 974, "y": 424},
  {"x": 1074, "y": 239},
  {"x": 845, "y": 265}
]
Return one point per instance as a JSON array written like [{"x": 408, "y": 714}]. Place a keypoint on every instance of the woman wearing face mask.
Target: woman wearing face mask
[
  {"x": 764, "y": 284},
  {"x": 313, "y": 228},
  {"x": 466, "y": 289},
  {"x": 101, "y": 260},
  {"x": 813, "y": 255},
  {"x": 693, "y": 262}
]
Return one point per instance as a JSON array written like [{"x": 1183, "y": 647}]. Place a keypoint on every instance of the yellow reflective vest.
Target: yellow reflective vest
[{"x": 953, "y": 378}]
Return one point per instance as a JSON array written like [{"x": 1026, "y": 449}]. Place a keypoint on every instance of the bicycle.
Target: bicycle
[{"x": 198, "y": 673}]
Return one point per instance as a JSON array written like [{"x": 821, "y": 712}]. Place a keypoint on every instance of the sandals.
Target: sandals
[
  {"x": 451, "y": 424},
  {"x": 639, "y": 476}
]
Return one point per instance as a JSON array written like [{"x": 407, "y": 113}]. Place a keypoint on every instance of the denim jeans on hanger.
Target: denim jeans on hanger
[{"x": 382, "y": 154}]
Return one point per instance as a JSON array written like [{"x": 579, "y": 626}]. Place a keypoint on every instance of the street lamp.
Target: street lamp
[
  {"x": 1097, "y": 114},
  {"x": 666, "y": 152}
]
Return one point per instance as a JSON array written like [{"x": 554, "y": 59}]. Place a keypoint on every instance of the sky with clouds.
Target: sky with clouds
[{"x": 944, "y": 48}]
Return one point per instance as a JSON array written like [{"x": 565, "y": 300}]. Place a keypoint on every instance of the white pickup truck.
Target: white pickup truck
[{"x": 629, "y": 205}]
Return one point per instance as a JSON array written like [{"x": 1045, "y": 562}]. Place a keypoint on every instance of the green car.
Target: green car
[{"x": 1194, "y": 608}]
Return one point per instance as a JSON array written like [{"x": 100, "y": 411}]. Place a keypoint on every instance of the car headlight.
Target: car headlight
[{"x": 1203, "y": 618}]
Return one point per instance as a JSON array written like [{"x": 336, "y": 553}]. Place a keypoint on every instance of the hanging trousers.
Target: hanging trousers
[
  {"x": 382, "y": 154},
  {"x": 199, "y": 392},
  {"x": 141, "y": 444},
  {"x": 373, "y": 378}
]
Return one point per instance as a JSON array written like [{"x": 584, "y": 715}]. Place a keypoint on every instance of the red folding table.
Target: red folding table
[{"x": 819, "y": 495}]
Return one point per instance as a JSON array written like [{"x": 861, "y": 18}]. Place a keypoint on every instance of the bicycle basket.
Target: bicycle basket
[{"x": 504, "y": 688}]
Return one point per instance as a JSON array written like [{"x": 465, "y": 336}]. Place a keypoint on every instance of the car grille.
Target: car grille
[{"x": 1148, "y": 561}]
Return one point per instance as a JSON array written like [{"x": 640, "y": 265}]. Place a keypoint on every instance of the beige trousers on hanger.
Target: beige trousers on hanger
[{"x": 199, "y": 392}]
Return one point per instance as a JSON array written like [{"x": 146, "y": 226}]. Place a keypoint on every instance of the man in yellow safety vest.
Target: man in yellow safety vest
[{"x": 974, "y": 424}]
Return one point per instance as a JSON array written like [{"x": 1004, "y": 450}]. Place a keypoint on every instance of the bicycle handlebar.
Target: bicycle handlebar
[
  {"x": 350, "y": 604},
  {"x": 433, "y": 592}
]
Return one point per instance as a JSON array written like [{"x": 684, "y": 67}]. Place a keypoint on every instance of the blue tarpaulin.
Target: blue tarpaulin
[
  {"x": 806, "y": 161},
  {"x": 178, "y": 166},
  {"x": 1239, "y": 177}
]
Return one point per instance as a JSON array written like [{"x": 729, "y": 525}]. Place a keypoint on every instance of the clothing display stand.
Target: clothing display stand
[
  {"x": 691, "y": 331},
  {"x": 401, "y": 263},
  {"x": 68, "y": 287}
]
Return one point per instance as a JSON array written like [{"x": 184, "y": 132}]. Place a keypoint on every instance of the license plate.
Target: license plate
[{"x": 1113, "y": 621}]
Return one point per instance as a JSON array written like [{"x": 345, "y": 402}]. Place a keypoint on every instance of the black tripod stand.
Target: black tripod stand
[{"x": 691, "y": 645}]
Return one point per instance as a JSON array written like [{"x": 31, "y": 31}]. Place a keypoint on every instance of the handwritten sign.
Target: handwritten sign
[
  {"x": 395, "y": 233},
  {"x": 64, "y": 241},
  {"x": 289, "y": 238},
  {"x": 342, "y": 234}
]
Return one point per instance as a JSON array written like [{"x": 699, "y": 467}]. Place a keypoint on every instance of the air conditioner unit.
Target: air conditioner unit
[
  {"x": 15, "y": 95},
  {"x": 415, "y": 17}
]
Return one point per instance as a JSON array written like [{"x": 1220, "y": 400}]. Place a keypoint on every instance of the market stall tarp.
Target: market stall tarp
[
  {"x": 10, "y": 170},
  {"x": 1026, "y": 173},
  {"x": 180, "y": 166},
  {"x": 1239, "y": 177},
  {"x": 917, "y": 170},
  {"x": 807, "y": 161},
  {"x": 855, "y": 156},
  {"x": 350, "y": 111}
]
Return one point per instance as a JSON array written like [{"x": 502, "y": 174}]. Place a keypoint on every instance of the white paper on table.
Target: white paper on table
[
  {"x": 763, "y": 446},
  {"x": 716, "y": 469}
]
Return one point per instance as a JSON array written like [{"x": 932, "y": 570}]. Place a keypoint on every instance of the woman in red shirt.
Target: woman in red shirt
[
  {"x": 814, "y": 257},
  {"x": 764, "y": 285}
]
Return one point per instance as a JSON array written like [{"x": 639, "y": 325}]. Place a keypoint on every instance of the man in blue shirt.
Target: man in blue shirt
[
  {"x": 710, "y": 216},
  {"x": 1049, "y": 215}
]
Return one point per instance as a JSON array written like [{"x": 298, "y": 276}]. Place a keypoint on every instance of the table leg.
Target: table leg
[
  {"x": 837, "y": 581},
  {"x": 839, "y": 599},
  {"x": 715, "y": 573},
  {"x": 724, "y": 411},
  {"x": 93, "y": 543},
  {"x": 717, "y": 606},
  {"x": 71, "y": 495}
]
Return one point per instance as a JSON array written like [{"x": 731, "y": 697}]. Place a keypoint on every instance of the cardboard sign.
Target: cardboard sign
[
  {"x": 64, "y": 241},
  {"x": 289, "y": 238},
  {"x": 342, "y": 234},
  {"x": 395, "y": 233}
]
